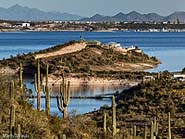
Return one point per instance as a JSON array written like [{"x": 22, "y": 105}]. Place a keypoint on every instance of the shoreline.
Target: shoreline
[
  {"x": 91, "y": 81},
  {"x": 81, "y": 30}
]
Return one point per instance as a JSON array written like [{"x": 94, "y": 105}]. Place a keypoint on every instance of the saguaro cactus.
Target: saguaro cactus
[
  {"x": 20, "y": 77},
  {"x": 12, "y": 121},
  {"x": 46, "y": 91},
  {"x": 12, "y": 92},
  {"x": 105, "y": 123},
  {"x": 12, "y": 110},
  {"x": 152, "y": 131},
  {"x": 64, "y": 98},
  {"x": 169, "y": 126},
  {"x": 145, "y": 132},
  {"x": 155, "y": 128},
  {"x": 38, "y": 85},
  {"x": 159, "y": 75},
  {"x": 113, "y": 117},
  {"x": 18, "y": 132},
  {"x": 135, "y": 131},
  {"x": 131, "y": 132}
]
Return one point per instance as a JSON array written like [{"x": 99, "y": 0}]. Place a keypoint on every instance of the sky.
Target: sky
[{"x": 104, "y": 7}]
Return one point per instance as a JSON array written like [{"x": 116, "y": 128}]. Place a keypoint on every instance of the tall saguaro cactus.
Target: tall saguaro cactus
[
  {"x": 64, "y": 98},
  {"x": 113, "y": 116},
  {"x": 46, "y": 91},
  {"x": 12, "y": 121},
  {"x": 20, "y": 77},
  {"x": 169, "y": 126},
  {"x": 38, "y": 85},
  {"x": 12, "y": 110},
  {"x": 152, "y": 130},
  {"x": 12, "y": 92},
  {"x": 105, "y": 123}
]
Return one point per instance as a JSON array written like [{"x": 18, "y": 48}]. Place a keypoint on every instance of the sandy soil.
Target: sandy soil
[
  {"x": 122, "y": 66},
  {"x": 69, "y": 49}
]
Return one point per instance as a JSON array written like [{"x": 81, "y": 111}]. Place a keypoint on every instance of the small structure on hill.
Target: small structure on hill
[
  {"x": 180, "y": 77},
  {"x": 93, "y": 43},
  {"x": 114, "y": 44}
]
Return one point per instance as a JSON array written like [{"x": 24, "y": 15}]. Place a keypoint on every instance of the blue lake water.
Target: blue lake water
[{"x": 169, "y": 47}]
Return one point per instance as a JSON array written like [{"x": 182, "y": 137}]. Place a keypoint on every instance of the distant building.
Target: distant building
[
  {"x": 26, "y": 25},
  {"x": 114, "y": 44},
  {"x": 23, "y": 24}
]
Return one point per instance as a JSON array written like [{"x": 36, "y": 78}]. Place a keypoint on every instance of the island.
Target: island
[{"x": 84, "y": 62}]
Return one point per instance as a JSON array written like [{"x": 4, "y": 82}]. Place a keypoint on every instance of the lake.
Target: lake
[{"x": 169, "y": 47}]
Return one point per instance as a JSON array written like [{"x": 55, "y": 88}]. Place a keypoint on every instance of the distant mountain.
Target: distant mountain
[
  {"x": 135, "y": 16},
  {"x": 18, "y": 12},
  {"x": 175, "y": 16}
]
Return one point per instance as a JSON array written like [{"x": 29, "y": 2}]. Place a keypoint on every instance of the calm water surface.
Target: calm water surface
[{"x": 168, "y": 47}]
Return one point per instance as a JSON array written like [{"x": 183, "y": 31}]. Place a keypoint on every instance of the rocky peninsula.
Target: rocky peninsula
[{"x": 86, "y": 62}]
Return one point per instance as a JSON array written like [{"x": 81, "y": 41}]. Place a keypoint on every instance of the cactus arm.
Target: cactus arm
[
  {"x": 35, "y": 82},
  {"x": 64, "y": 98},
  {"x": 68, "y": 92},
  {"x": 60, "y": 104},
  {"x": 44, "y": 89}
]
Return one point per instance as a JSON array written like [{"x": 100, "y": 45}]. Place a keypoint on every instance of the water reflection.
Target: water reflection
[{"x": 80, "y": 106}]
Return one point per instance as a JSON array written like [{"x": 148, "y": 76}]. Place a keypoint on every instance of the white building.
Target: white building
[
  {"x": 26, "y": 25},
  {"x": 114, "y": 44}
]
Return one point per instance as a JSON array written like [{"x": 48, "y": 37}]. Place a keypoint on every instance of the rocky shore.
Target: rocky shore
[{"x": 53, "y": 80}]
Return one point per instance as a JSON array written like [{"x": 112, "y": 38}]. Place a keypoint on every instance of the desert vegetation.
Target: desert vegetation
[{"x": 152, "y": 109}]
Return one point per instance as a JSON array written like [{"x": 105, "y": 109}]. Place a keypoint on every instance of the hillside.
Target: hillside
[
  {"x": 141, "y": 104},
  {"x": 82, "y": 57}
]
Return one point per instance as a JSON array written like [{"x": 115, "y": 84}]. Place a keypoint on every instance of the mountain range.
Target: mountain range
[
  {"x": 17, "y": 12},
  {"x": 135, "y": 16}
]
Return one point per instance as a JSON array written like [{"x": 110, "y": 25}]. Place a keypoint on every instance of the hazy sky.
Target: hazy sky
[{"x": 105, "y": 7}]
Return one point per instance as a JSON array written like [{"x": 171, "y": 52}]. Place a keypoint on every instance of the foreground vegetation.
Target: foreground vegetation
[
  {"x": 140, "y": 105},
  {"x": 136, "y": 108}
]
